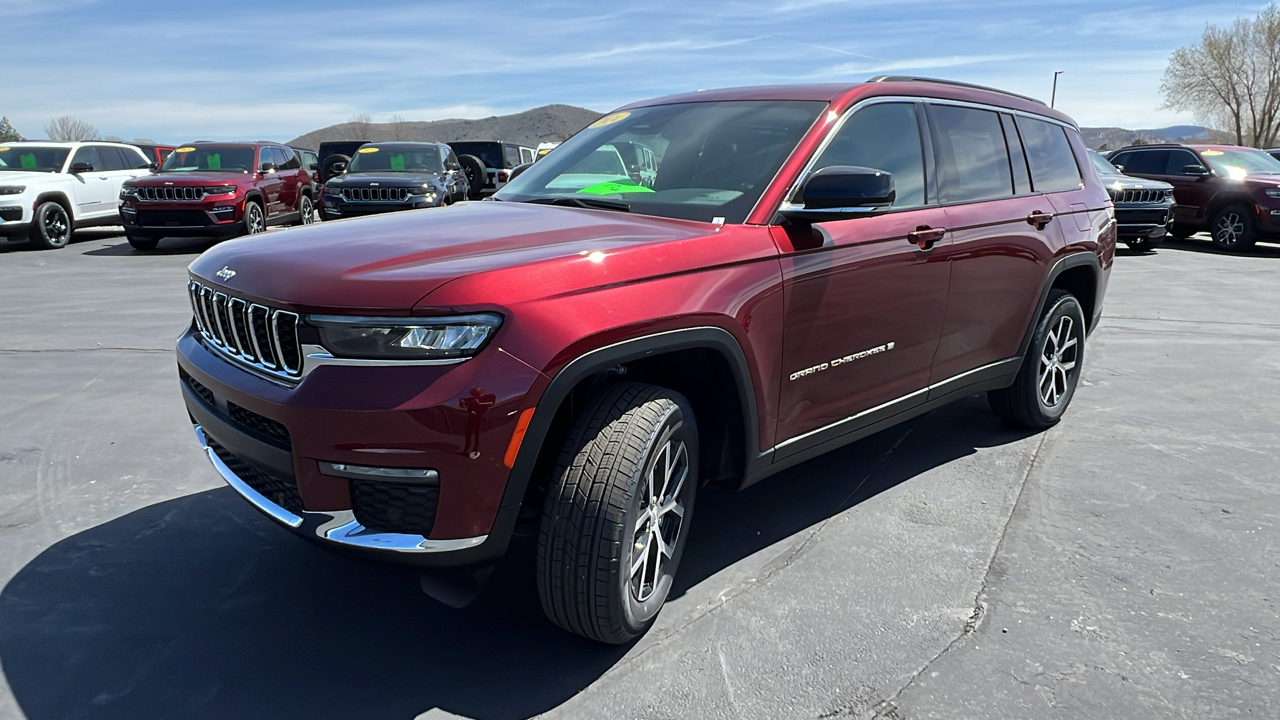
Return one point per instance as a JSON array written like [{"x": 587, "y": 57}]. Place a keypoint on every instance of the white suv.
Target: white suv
[{"x": 48, "y": 189}]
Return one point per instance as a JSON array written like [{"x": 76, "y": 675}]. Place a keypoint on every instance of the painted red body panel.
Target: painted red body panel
[{"x": 569, "y": 280}]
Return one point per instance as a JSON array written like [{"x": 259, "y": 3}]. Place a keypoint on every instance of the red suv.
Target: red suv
[
  {"x": 217, "y": 190},
  {"x": 809, "y": 265},
  {"x": 1232, "y": 192}
]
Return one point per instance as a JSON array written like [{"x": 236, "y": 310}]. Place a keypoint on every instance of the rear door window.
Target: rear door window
[
  {"x": 972, "y": 157},
  {"x": 884, "y": 136},
  {"x": 1049, "y": 156}
]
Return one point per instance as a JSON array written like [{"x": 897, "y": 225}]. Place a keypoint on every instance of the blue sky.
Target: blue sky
[{"x": 178, "y": 71}]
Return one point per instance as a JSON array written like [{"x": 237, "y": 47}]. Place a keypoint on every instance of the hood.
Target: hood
[
  {"x": 1266, "y": 179},
  {"x": 187, "y": 179},
  {"x": 386, "y": 263},
  {"x": 1128, "y": 182},
  {"x": 19, "y": 177},
  {"x": 384, "y": 179}
]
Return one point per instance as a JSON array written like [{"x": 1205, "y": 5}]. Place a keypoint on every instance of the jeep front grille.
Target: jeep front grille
[
  {"x": 262, "y": 337},
  {"x": 1139, "y": 196},
  {"x": 171, "y": 193},
  {"x": 375, "y": 194}
]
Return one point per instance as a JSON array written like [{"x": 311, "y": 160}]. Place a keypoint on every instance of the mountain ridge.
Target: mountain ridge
[{"x": 548, "y": 123}]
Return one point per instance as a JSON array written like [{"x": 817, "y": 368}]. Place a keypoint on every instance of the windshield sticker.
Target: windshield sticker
[
  {"x": 610, "y": 119},
  {"x": 214, "y": 160},
  {"x": 185, "y": 150},
  {"x": 3, "y": 149},
  {"x": 28, "y": 161},
  {"x": 1210, "y": 153},
  {"x": 366, "y": 151},
  {"x": 397, "y": 162},
  {"x": 613, "y": 188}
]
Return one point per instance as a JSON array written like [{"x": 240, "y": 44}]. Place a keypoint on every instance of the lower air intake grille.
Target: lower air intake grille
[
  {"x": 279, "y": 490},
  {"x": 264, "y": 426},
  {"x": 404, "y": 508},
  {"x": 205, "y": 393}
]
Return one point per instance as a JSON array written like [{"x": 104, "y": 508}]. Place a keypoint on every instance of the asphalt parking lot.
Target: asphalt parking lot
[{"x": 1124, "y": 564}]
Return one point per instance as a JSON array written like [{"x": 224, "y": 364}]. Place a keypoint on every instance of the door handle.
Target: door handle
[
  {"x": 925, "y": 236},
  {"x": 1039, "y": 219}
]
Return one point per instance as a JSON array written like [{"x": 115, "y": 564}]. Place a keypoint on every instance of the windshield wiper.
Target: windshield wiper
[{"x": 590, "y": 203}]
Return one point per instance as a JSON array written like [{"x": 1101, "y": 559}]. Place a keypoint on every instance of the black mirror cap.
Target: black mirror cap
[
  {"x": 515, "y": 171},
  {"x": 81, "y": 167},
  {"x": 154, "y": 167},
  {"x": 1196, "y": 169},
  {"x": 848, "y": 186},
  {"x": 268, "y": 167}
]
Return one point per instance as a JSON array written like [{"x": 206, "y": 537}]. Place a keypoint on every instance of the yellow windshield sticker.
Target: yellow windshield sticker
[
  {"x": 1211, "y": 152},
  {"x": 185, "y": 150},
  {"x": 2, "y": 149},
  {"x": 366, "y": 151},
  {"x": 610, "y": 119}
]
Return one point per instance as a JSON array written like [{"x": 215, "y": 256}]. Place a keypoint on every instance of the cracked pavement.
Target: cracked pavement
[{"x": 1123, "y": 564}]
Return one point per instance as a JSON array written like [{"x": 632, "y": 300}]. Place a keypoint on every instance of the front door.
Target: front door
[
  {"x": 271, "y": 181},
  {"x": 95, "y": 195},
  {"x": 864, "y": 303}
]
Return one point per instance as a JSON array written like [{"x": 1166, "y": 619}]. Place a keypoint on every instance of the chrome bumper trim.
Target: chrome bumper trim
[{"x": 336, "y": 526}]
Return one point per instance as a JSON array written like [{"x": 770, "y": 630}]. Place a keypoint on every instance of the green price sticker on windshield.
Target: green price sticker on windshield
[
  {"x": 28, "y": 161},
  {"x": 214, "y": 160},
  {"x": 613, "y": 188},
  {"x": 397, "y": 162}
]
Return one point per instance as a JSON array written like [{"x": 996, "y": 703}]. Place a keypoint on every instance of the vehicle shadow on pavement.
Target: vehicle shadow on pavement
[
  {"x": 167, "y": 246},
  {"x": 200, "y": 608},
  {"x": 79, "y": 236},
  {"x": 1202, "y": 244}
]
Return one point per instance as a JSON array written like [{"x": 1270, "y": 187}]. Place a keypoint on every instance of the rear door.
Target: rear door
[
  {"x": 1003, "y": 234},
  {"x": 864, "y": 304}
]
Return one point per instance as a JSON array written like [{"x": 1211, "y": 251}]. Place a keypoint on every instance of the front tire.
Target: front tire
[
  {"x": 51, "y": 227},
  {"x": 616, "y": 515},
  {"x": 1143, "y": 244},
  {"x": 255, "y": 220},
  {"x": 145, "y": 244},
  {"x": 1050, "y": 370},
  {"x": 306, "y": 211},
  {"x": 1234, "y": 229}
]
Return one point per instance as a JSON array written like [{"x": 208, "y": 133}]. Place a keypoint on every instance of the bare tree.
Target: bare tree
[
  {"x": 399, "y": 128},
  {"x": 111, "y": 138},
  {"x": 360, "y": 126},
  {"x": 67, "y": 128},
  {"x": 7, "y": 132},
  {"x": 1231, "y": 78}
]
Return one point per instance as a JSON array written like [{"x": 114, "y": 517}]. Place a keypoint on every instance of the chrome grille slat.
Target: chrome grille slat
[
  {"x": 171, "y": 194},
  {"x": 256, "y": 335},
  {"x": 1139, "y": 196},
  {"x": 372, "y": 194}
]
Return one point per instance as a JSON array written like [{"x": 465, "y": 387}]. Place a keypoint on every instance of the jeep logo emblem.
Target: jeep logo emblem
[{"x": 225, "y": 273}]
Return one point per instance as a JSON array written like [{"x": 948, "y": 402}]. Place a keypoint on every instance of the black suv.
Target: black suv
[
  {"x": 1144, "y": 208},
  {"x": 383, "y": 177}
]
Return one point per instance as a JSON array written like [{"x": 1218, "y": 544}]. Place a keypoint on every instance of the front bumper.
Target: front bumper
[
  {"x": 15, "y": 215},
  {"x": 215, "y": 217},
  {"x": 335, "y": 206},
  {"x": 373, "y": 416},
  {"x": 1141, "y": 221}
]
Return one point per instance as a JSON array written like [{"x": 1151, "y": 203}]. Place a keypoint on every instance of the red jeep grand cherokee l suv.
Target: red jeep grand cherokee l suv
[
  {"x": 812, "y": 264},
  {"x": 217, "y": 190}
]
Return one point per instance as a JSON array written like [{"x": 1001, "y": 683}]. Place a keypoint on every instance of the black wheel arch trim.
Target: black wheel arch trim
[
  {"x": 58, "y": 197},
  {"x": 1074, "y": 260},
  {"x": 601, "y": 359}
]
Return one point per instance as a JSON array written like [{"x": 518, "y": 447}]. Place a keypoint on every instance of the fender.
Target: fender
[
  {"x": 1064, "y": 263},
  {"x": 595, "y": 361},
  {"x": 58, "y": 197}
]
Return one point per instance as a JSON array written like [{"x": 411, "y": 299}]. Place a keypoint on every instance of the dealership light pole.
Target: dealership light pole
[{"x": 1053, "y": 96}]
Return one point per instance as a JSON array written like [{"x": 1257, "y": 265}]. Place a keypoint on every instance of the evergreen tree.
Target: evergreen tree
[{"x": 7, "y": 133}]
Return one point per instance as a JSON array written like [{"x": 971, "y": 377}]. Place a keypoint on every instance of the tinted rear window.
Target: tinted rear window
[
  {"x": 1053, "y": 165},
  {"x": 1143, "y": 162},
  {"x": 972, "y": 155}
]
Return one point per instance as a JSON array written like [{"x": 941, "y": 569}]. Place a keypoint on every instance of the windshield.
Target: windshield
[
  {"x": 396, "y": 158},
  {"x": 210, "y": 158},
  {"x": 697, "y": 161},
  {"x": 29, "y": 158},
  {"x": 1103, "y": 166},
  {"x": 489, "y": 153},
  {"x": 1239, "y": 162}
]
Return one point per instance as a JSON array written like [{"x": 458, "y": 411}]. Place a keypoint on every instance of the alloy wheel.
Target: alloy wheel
[
  {"x": 308, "y": 212},
  {"x": 257, "y": 223},
  {"x": 1230, "y": 229},
  {"x": 1057, "y": 362},
  {"x": 661, "y": 517},
  {"x": 57, "y": 228}
]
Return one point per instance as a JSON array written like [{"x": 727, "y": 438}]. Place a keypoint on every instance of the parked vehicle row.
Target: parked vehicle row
[
  {"x": 1144, "y": 208},
  {"x": 385, "y": 177},
  {"x": 800, "y": 267},
  {"x": 1231, "y": 192}
]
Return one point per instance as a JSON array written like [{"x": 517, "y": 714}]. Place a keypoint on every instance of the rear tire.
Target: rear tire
[
  {"x": 474, "y": 168},
  {"x": 1234, "y": 229},
  {"x": 51, "y": 227},
  {"x": 145, "y": 244},
  {"x": 1050, "y": 369},
  {"x": 616, "y": 515}
]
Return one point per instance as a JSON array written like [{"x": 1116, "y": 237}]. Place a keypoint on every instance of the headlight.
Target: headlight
[
  {"x": 13, "y": 190},
  {"x": 128, "y": 192},
  {"x": 220, "y": 190},
  {"x": 427, "y": 190},
  {"x": 1271, "y": 192},
  {"x": 405, "y": 338}
]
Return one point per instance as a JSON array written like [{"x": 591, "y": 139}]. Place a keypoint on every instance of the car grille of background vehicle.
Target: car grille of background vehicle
[
  {"x": 375, "y": 194},
  {"x": 256, "y": 335},
  {"x": 1138, "y": 196},
  {"x": 171, "y": 193}
]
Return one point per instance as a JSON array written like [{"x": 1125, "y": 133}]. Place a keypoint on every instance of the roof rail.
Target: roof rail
[{"x": 910, "y": 78}]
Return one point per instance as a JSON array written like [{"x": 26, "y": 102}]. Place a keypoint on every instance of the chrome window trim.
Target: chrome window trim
[{"x": 338, "y": 527}]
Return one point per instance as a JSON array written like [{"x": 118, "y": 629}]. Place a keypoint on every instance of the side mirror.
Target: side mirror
[
  {"x": 515, "y": 171},
  {"x": 1196, "y": 170},
  {"x": 268, "y": 167},
  {"x": 154, "y": 167},
  {"x": 843, "y": 190},
  {"x": 1120, "y": 168},
  {"x": 81, "y": 167},
  {"x": 314, "y": 167}
]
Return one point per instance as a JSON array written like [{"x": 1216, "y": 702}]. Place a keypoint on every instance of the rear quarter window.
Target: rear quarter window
[{"x": 1049, "y": 156}]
